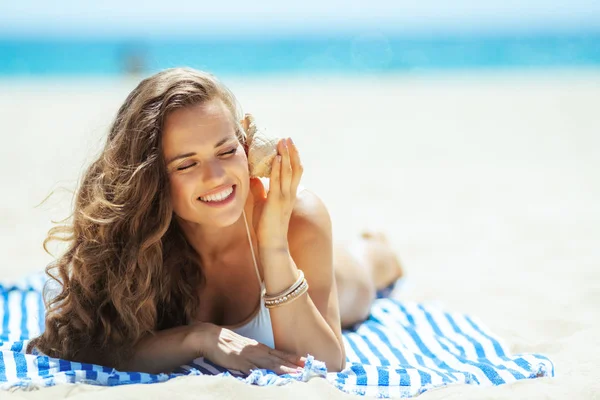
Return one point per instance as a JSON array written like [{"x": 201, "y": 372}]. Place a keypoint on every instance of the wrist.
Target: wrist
[
  {"x": 273, "y": 244},
  {"x": 198, "y": 338},
  {"x": 274, "y": 255}
]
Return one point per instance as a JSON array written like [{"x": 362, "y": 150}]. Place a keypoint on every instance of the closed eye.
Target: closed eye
[
  {"x": 186, "y": 167},
  {"x": 230, "y": 152}
]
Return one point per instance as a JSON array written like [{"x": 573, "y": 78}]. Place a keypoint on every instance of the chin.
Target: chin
[{"x": 224, "y": 221}]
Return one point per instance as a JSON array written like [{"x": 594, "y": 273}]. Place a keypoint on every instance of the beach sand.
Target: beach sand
[{"x": 486, "y": 184}]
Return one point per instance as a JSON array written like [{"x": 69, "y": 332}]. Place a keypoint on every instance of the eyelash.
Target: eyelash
[{"x": 230, "y": 152}]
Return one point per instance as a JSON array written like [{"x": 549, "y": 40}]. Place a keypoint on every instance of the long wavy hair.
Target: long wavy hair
[{"x": 128, "y": 270}]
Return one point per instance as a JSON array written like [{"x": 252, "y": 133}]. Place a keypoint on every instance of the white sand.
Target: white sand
[{"x": 486, "y": 184}]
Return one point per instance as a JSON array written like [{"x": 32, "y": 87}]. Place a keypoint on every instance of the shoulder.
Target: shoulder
[
  {"x": 310, "y": 217},
  {"x": 310, "y": 220},
  {"x": 311, "y": 245}
]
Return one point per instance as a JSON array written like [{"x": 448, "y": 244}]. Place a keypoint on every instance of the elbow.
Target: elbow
[
  {"x": 342, "y": 363},
  {"x": 336, "y": 361},
  {"x": 336, "y": 366},
  {"x": 341, "y": 357}
]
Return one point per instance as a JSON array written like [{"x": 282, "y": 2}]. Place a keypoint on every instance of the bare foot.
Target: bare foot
[{"x": 386, "y": 267}]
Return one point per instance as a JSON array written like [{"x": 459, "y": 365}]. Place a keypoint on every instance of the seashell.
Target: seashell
[{"x": 262, "y": 148}]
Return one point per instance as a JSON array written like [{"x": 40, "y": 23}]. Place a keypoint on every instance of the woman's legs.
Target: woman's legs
[{"x": 361, "y": 267}]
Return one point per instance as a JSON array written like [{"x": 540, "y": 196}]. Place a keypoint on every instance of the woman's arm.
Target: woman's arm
[
  {"x": 310, "y": 324},
  {"x": 168, "y": 349}
]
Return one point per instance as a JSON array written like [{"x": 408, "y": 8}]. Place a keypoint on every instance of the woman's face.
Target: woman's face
[{"x": 204, "y": 156}]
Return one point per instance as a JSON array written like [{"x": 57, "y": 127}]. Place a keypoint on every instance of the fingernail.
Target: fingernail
[{"x": 291, "y": 141}]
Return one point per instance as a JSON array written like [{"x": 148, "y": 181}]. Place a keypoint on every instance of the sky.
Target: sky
[{"x": 185, "y": 17}]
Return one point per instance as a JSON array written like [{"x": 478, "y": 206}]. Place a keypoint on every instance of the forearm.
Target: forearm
[
  {"x": 166, "y": 350},
  {"x": 298, "y": 326}
]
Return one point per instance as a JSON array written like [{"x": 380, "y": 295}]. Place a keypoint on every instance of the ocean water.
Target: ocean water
[{"x": 352, "y": 54}]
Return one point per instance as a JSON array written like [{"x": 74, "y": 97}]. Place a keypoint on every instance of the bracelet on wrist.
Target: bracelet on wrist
[
  {"x": 289, "y": 290},
  {"x": 288, "y": 298}
]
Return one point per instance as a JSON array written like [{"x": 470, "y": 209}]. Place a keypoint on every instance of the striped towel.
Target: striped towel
[{"x": 402, "y": 350}]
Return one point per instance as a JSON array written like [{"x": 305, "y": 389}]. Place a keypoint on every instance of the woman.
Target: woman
[{"x": 176, "y": 253}]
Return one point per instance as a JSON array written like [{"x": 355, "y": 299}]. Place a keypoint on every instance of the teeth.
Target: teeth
[{"x": 218, "y": 196}]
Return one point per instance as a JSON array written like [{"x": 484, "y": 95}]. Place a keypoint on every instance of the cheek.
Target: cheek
[{"x": 180, "y": 191}]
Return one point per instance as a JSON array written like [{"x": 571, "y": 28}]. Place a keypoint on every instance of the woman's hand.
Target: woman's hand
[
  {"x": 272, "y": 230},
  {"x": 232, "y": 351}
]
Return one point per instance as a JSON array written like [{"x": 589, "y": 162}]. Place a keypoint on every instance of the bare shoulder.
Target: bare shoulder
[{"x": 310, "y": 220}]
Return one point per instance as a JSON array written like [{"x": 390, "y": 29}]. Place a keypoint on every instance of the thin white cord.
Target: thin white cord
[{"x": 252, "y": 249}]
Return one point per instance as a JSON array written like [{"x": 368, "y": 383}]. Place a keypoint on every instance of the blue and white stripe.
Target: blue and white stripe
[{"x": 402, "y": 350}]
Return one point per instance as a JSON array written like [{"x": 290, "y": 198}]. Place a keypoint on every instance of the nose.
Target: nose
[{"x": 212, "y": 172}]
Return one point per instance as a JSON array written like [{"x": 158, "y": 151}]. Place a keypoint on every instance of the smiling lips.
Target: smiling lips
[{"x": 222, "y": 196}]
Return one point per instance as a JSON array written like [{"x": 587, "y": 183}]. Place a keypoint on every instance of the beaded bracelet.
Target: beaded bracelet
[
  {"x": 300, "y": 290},
  {"x": 289, "y": 290}
]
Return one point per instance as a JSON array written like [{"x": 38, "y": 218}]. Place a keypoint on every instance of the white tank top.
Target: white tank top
[{"x": 259, "y": 327}]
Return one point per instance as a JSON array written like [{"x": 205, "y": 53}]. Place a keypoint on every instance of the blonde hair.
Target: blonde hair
[{"x": 128, "y": 270}]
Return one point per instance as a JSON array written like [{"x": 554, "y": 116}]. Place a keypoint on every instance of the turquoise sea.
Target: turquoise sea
[{"x": 352, "y": 54}]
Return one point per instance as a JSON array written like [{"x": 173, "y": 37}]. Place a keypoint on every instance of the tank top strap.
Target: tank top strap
[
  {"x": 253, "y": 255},
  {"x": 265, "y": 182}
]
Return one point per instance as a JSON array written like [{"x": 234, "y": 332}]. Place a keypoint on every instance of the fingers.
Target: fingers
[
  {"x": 274, "y": 184},
  {"x": 285, "y": 370},
  {"x": 295, "y": 360},
  {"x": 281, "y": 366},
  {"x": 297, "y": 168},
  {"x": 260, "y": 356},
  {"x": 278, "y": 361},
  {"x": 287, "y": 169},
  {"x": 248, "y": 367},
  {"x": 244, "y": 354},
  {"x": 273, "y": 363}
]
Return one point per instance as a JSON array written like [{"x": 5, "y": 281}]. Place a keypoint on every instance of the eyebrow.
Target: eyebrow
[{"x": 219, "y": 143}]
